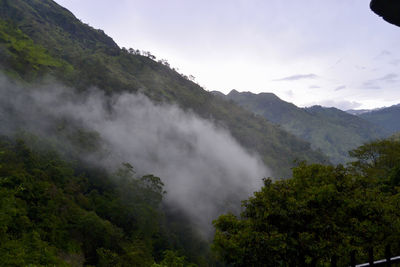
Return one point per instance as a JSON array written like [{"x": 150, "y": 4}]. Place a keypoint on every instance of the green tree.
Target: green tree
[{"x": 323, "y": 211}]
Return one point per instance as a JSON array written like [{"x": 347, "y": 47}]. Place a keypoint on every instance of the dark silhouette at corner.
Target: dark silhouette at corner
[{"x": 389, "y": 10}]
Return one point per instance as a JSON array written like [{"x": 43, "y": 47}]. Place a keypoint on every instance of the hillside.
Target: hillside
[
  {"x": 66, "y": 213},
  {"x": 39, "y": 38},
  {"x": 386, "y": 118},
  {"x": 330, "y": 130}
]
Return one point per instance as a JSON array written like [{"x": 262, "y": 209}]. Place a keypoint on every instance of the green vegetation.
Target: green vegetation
[
  {"x": 21, "y": 57},
  {"x": 332, "y": 131},
  {"x": 322, "y": 212},
  {"x": 56, "y": 212}
]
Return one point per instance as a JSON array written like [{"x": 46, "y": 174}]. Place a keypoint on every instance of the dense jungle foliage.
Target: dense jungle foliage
[
  {"x": 64, "y": 213},
  {"x": 321, "y": 213}
]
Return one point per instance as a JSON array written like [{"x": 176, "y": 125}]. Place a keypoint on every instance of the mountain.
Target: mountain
[
  {"x": 330, "y": 130},
  {"x": 386, "y": 118},
  {"x": 40, "y": 38}
]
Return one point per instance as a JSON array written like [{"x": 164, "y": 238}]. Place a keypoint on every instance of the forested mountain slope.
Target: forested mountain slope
[
  {"x": 66, "y": 213},
  {"x": 39, "y": 38},
  {"x": 332, "y": 131},
  {"x": 387, "y": 118}
]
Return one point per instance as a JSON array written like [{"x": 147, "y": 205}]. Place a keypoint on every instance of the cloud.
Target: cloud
[
  {"x": 336, "y": 63},
  {"x": 314, "y": 86},
  {"x": 371, "y": 85},
  {"x": 383, "y": 53},
  {"x": 298, "y": 77},
  {"x": 376, "y": 84},
  {"x": 391, "y": 77},
  {"x": 205, "y": 171},
  {"x": 360, "y": 67},
  {"x": 289, "y": 93},
  {"x": 340, "y": 87},
  {"x": 395, "y": 62},
  {"x": 339, "y": 104}
]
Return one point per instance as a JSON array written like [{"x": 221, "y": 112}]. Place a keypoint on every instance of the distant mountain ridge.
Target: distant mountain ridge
[
  {"x": 386, "y": 118},
  {"x": 330, "y": 130},
  {"x": 362, "y": 111}
]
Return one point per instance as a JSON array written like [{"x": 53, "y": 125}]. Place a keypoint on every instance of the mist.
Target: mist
[{"x": 205, "y": 171}]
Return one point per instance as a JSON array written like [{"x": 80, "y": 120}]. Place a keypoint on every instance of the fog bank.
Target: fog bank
[{"x": 204, "y": 169}]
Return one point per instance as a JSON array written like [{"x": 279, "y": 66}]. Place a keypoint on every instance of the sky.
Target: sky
[{"x": 331, "y": 53}]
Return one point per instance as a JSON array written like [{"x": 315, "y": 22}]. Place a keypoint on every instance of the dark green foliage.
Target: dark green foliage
[
  {"x": 330, "y": 130},
  {"x": 379, "y": 160},
  {"x": 93, "y": 59},
  {"x": 321, "y": 212},
  {"x": 58, "y": 213},
  {"x": 172, "y": 259}
]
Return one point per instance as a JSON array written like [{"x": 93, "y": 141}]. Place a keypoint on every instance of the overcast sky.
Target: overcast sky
[{"x": 332, "y": 52}]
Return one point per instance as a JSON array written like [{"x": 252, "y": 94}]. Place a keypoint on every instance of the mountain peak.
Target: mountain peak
[
  {"x": 233, "y": 92},
  {"x": 387, "y": 117},
  {"x": 46, "y": 22}
]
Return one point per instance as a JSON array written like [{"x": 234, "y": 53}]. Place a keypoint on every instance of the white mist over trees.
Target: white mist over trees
[{"x": 204, "y": 169}]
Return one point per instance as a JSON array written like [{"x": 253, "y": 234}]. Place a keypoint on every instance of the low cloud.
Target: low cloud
[
  {"x": 205, "y": 171},
  {"x": 314, "y": 87},
  {"x": 298, "y": 77},
  {"x": 339, "y": 104}
]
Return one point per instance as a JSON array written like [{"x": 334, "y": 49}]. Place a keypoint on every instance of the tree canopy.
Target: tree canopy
[
  {"x": 62, "y": 212},
  {"x": 320, "y": 213}
]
